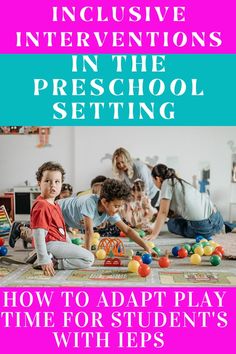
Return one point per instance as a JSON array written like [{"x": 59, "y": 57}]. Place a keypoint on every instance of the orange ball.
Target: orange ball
[{"x": 144, "y": 270}]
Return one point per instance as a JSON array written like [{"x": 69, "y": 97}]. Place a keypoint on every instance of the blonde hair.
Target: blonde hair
[{"x": 127, "y": 159}]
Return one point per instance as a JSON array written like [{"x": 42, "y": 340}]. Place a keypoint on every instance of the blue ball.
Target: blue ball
[
  {"x": 3, "y": 251},
  {"x": 199, "y": 238},
  {"x": 210, "y": 238},
  {"x": 146, "y": 258},
  {"x": 175, "y": 251}
]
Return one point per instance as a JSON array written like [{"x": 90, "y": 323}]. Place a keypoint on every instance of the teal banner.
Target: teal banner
[{"x": 115, "y": 90}]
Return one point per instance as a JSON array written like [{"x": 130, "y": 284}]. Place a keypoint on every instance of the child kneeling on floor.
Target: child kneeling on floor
[{"x": 48, "y": 226}]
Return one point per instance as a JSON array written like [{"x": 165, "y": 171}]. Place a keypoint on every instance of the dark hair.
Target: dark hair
[
  {"x": 98, "y": 179},
  {"x": 114, "y": 189},
  {"x": 49, "y": 166},
  {"x": 138, "y": 186},
  {"x": 163, "y": 172},
  {"x": 66, "y": 187}
]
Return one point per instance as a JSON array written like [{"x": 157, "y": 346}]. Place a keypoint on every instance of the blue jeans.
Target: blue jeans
[{"x": 191, "y": 229}]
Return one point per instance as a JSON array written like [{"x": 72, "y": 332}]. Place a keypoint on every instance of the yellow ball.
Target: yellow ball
[
  {"x": 133, "y": 266},
  {"x": 195, "y": 259},
  {"x": 95, "y": 242},
  {"x": 96, "y": 235},
  {"x": 101, "y": 254},
  {"x": 208, "y": 250},
  {"x": 150, "y": 244},
  {"x": 203, "y": 240},
  {"x": 199, "y": 250}
]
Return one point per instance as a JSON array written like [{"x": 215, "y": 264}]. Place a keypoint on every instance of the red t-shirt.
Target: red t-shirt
[{"x": 49, "y": 217}]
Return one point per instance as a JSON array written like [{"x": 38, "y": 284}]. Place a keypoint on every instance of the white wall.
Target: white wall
[{"x": 80, "y": 150}]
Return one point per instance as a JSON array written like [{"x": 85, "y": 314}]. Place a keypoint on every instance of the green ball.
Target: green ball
[
  {"x": 215, "y": 260},
  {"x": 157, "y": 250},
  {"x": 205, "y": 243},
  {"x": 76, "y": 241},
  {"x": 187, "y": 247},
  {"x": 141, "y": 233},
  {"x": 196, "y": 245}
]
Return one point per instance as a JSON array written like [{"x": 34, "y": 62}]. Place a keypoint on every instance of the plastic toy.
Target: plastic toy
[
  {"x": 133, "y": 266},
  {"x": 112, "y": 244},
  {"x": 175, "y": 251},
  {"x": 101, "y": 254},
  {"x": 112, "y": 262},
  {"x": 195, "y": 259},
  {"x": 182, "y": 253},
  {"x": 147, "y": 258},
  {"x": 215, "y": 260},
  {"x": 144, "y": 270}
]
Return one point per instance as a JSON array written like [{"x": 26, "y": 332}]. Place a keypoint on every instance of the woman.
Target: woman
[
  {"x": 190, "y": 212},
  {"x": 128, "y": 170}
]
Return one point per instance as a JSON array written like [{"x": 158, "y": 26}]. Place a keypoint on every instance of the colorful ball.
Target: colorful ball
[
  {"x": 129, "y": 252},
  {"x": 3, "y": 251},
  {"x": 137, "y": 258},
  {"x": 96, "y": 235},
  {"x": 122, "y": 234},
  {"x": 175, "y": 251},
  {"x": 95, "y": 242},
  {"x": 2, "y": 241},
  {"x": 182, "y": 253},
  {"x": 164, "y": 262},
  {"x": 220, "y": 249},
  {"x": 199, "y": 250},
  {"x": 215, "y": 260},
  {"x": 187, "y": 247},
  {"x": 141, "y": 233},
  {"x": 133, "y": 266},
  {"x": 195, "y": 245},
  {"x": 157, "y": 250},
  {"x": 195, "y": 259},
  {"x": 208, "y": 250},
  {"x": 150, "y": 244},
  {"x": 205, "y": 243},
  {"x": 144, "y": 270},
  {"x": 147, "y": 258},
  {"x": 198, "y": 238},
  {"x": 217, "y": 253},
  {"x": 76, "y": 241},
  {"x": 101, "y": 254}
]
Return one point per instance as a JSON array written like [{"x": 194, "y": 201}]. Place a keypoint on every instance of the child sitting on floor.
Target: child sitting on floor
[{"x": 138, "y": 212}]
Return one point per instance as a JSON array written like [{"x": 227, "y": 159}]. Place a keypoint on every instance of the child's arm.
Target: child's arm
[
  {"x": 88, "y": 227},
  {"x": 160, "y": 220},
  {"x": 40, "y": 245},
  {"x": 131, "y": 233}
]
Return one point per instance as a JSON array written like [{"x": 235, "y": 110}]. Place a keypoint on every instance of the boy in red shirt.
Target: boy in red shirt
[{"x": 48, "y": 226}]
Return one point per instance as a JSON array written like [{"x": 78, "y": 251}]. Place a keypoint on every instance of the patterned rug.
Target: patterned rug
[
  {"x": 197, "y": 278},
  {"x": 228, "y": 241}
]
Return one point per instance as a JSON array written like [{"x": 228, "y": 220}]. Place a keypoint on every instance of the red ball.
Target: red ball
[
  {"x": 144, "y": 270},
  {"x": 220, "y": 249},
  {"x": 122, "y": 234},
  {"x": 2, "y": 241},
  {"x": 217, "y": 253},
  {"x": 164, "y": 262},
  {"x": 138, "y": 258},
  {"x": 182, "y": 253}
]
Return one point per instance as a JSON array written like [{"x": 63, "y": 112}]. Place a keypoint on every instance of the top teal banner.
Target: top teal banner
[{"x": 123, "y": 26}]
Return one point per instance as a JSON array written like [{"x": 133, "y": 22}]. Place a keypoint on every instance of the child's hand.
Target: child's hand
[
  {"x": 150, "y": 237},
  {"x": 48, "y": 269}
]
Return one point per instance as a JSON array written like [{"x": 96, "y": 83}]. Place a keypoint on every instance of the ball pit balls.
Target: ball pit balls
[
  {"x": 187, "y": 247},
  {"x": 150, "y": 244},
  {"x": 182, "y": 253},
  {"x": 3, "y": 251},
  {"x": 205, "y": 243},
  {"x": 133, "y": 266},
  {"x": 208, "y": 250},
  {"x": 76, "y": 241},
  {"x": 215, "y": 260},
  {"x": 175, "y": 251},
  {"x": 144, "y": 270},
  {"x": 101, "y": 254},
  {"x": 196, "y": 245},
  {"x": 217, "y": 253},
  {"x": 122, "y": 234},
  {"x": 198, "y": 238},
  {"x": 164, "y": 262},
  {"x": 157, "y": 250},
  {"x": 96, "y": 235},
  {"x": 95, "y": 242},
  {"x": 137, "y": 258},
  {"x": 147, "y": 258},
  {"x": 141, "y": 233},
  {"x": 195, "y": 259},
  {"x": 2, "y": 241},
  {"x": 220, "y": 249},
  {"x": 199, "y": 250},
  {"x": 213, "y": 244}
]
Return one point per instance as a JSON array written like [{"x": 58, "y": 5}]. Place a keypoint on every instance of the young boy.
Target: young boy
[
  {"x": 87, "y": 212},
  {"x": 48, "y": 226}
]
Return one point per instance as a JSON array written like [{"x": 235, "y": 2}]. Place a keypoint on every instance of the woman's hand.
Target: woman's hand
[{"x": 48, "y": 269}]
